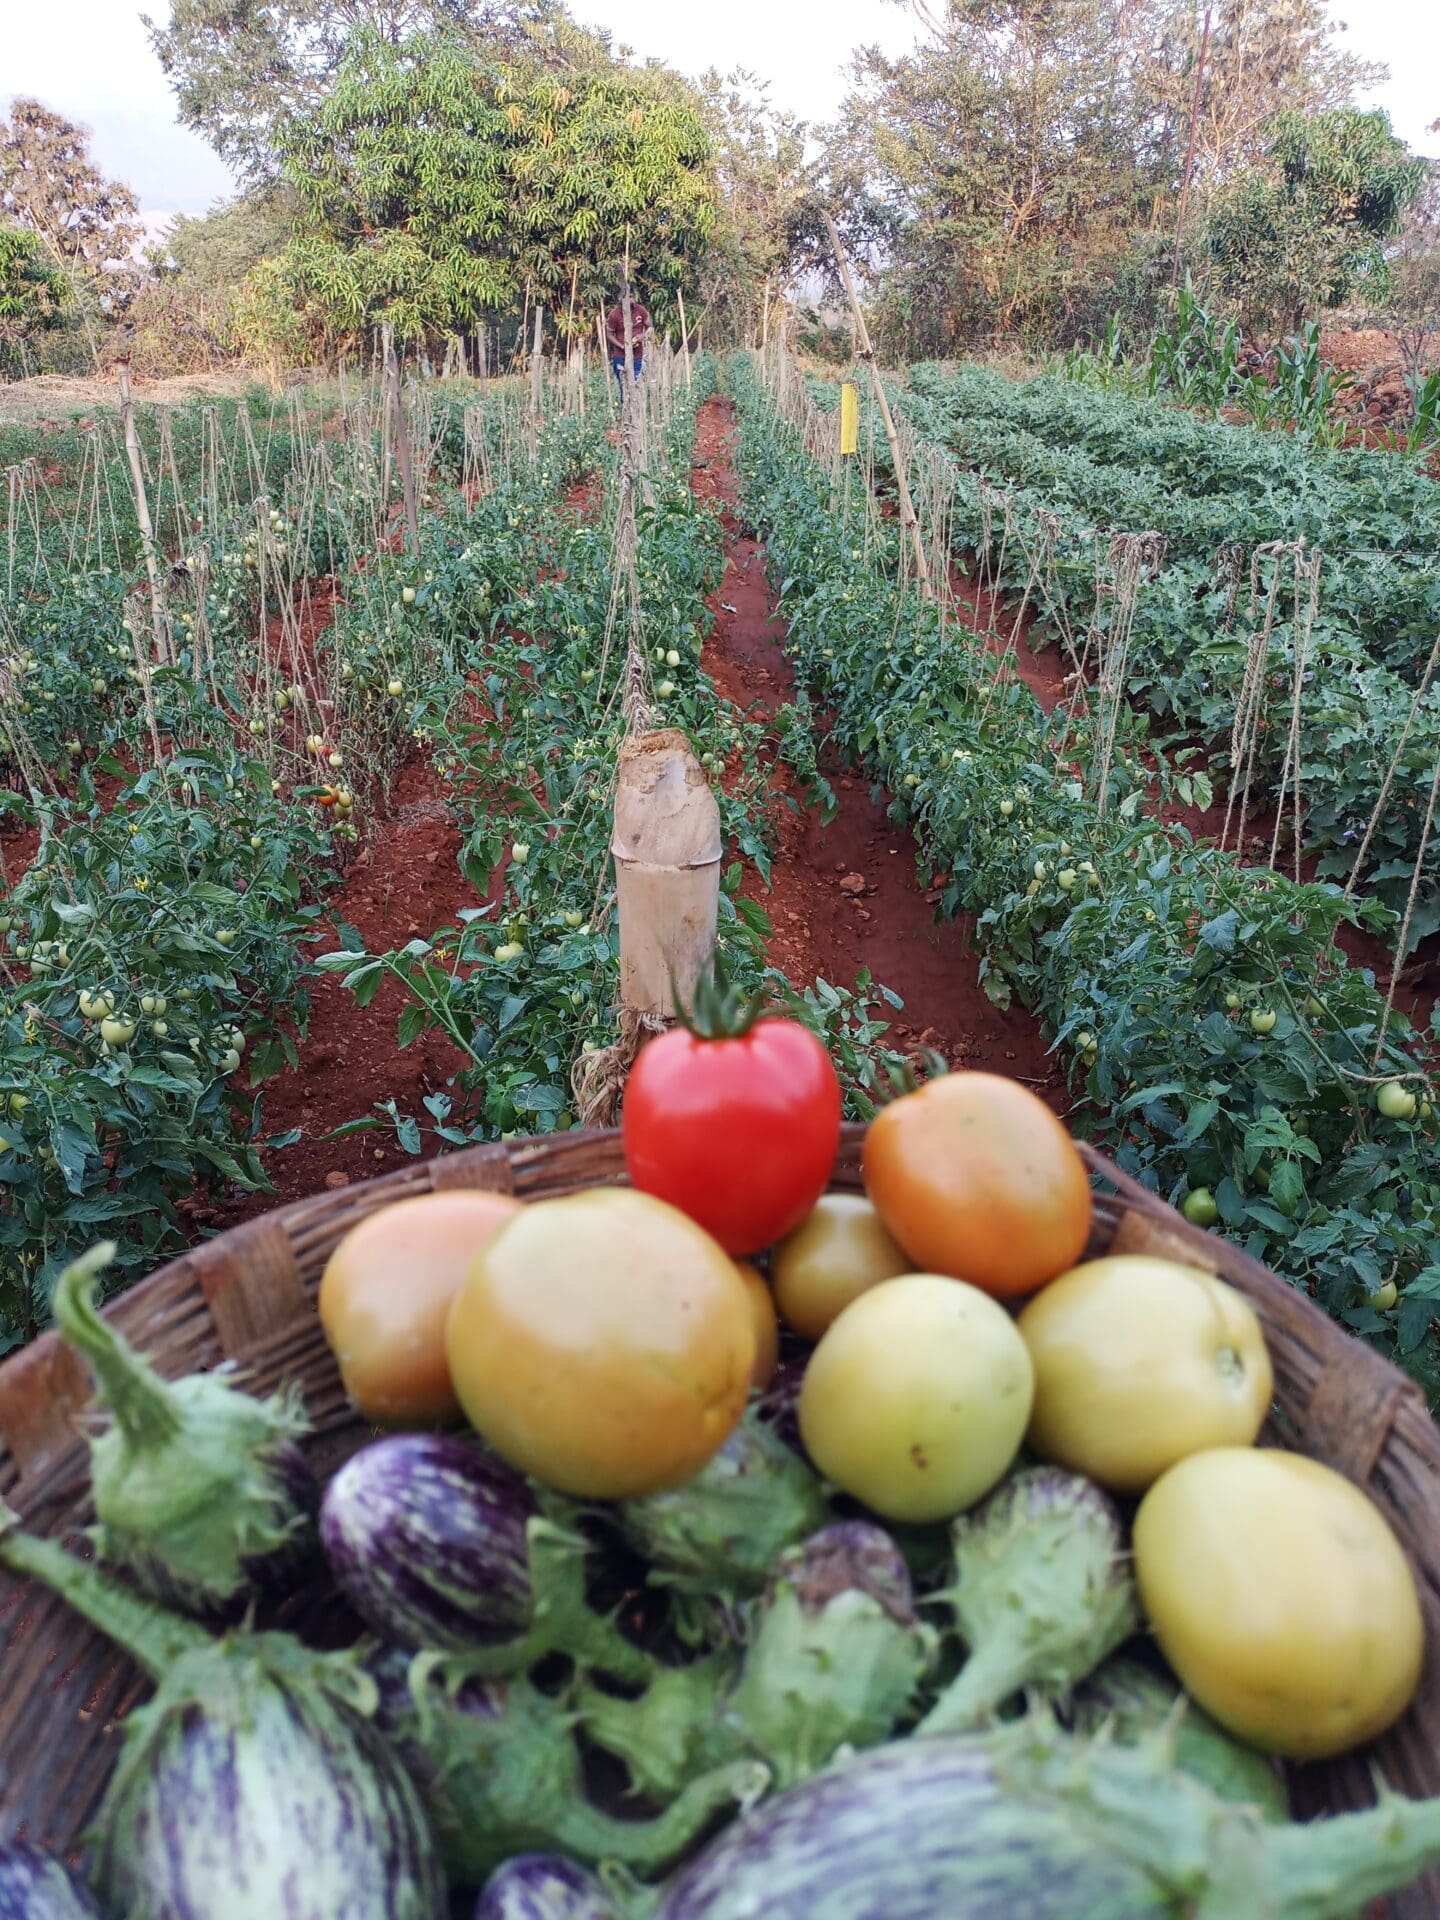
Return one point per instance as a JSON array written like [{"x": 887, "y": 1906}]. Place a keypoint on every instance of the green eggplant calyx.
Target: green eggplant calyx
[
  {"x": 1221, "y": 1858},
  {"x": 187, "y": 1477},
  {"x": 719, "y": 1535},
  {"x": 673, "y": 1732},
  {"x": 1043, "y": 1593},
  {"x": 191, "y": 1513},
  {"x": 563, "y": 1621},
  {"x": 837, "y": 1655},
  {"x": 500, "y": 1772}
]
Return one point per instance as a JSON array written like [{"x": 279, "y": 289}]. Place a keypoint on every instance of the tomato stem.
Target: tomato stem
[{"x": 718, "y": 1009}]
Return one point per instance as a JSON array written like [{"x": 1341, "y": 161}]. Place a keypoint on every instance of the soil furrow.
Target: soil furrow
[{"x": 846, "y": 897}]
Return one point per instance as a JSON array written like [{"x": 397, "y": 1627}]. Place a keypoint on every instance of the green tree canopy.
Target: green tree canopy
[
  {"x": 1307, "y": 228},
  {"x": 245, "y": 70},
  {"x": 1003, "y": 164},
  {"x": 50, "y": 185},
  {"x": 33, "y": 290},
  {"x": 435, "y": 187},
  {"x": 768, "y": 226}
]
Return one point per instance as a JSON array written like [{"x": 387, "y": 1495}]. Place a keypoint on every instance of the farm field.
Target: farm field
[
  {"x": 720, "y": 961},
  {"x": 313, "y": 878},
  {"x": 320, "y": 882}
]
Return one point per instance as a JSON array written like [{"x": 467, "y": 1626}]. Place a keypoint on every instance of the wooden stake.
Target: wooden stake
[
  {"x": 866, "y": 353},
  {"x": 402, "y": 444},
  {"x": 154, "y": 572},
  {"x": 684, "y": 334},
  {"x": 537, "y": 368}
]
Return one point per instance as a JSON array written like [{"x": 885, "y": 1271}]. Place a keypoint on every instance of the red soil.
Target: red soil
[
  {"x": 845, "y": 897},
  {"x": 404, "y": 882}
]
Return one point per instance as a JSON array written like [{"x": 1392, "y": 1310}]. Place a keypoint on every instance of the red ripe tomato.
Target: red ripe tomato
[{"x": 737, "y": 1129}]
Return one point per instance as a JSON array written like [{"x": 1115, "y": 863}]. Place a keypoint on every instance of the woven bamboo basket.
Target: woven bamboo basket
[{"x": 248, "y": 1299}]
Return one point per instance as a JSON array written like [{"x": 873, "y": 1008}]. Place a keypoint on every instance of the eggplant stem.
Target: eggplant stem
[
  {"x": 154, "y": 1638},
  {"x": 141, "y": 1401},
  {"x": 650, "y": 1844},
  {"x": 989, "y": 1677}
]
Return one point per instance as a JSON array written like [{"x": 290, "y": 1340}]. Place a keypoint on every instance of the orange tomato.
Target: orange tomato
[
  {"x": 603, "y": 1343},
  {"x": 767, "y": 1327},
  {"x": 977, "y": 1179},
  {"x": 385, "y": 1296}
]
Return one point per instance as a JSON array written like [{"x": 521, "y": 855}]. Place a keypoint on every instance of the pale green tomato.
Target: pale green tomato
[
  {"x": 1396, "y": 1102},
  {"x": 916, "y": 1399},
  {"x": 1281, "y": 1598}
]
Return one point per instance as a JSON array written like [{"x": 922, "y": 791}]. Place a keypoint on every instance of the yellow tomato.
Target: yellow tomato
[
  {"x": 604, "y": 1343},
  {"x": 831, "y": 1258},
  {"x": 916, "y": 1399},
  {"x": 1281, "y": 1598},
  {"x": 385, "y": 1296},
  {"x": 1139, "y": 1362},
  {"x": 767, "y": 1327}
]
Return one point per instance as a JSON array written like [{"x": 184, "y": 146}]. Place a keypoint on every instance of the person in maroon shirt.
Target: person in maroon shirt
[{"x": 615, "y": 335}]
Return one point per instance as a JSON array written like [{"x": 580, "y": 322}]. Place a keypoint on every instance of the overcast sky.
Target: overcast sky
[{"x": 91, "y": 60}]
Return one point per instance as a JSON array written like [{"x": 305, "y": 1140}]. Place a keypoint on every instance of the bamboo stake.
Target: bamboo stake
[
  {"x": 154, "y": 573},
  {"x": 537, "y": 374},
  {"x": 867, "y": 353},
  {"x": 402, "y": 445},
  {"x": 684, "y": 335}
]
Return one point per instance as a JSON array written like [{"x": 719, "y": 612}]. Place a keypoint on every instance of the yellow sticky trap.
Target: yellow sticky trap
[{"x": 849, "y": 417}]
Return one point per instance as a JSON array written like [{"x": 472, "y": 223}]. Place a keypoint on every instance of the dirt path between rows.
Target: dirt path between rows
[{"x": 845, "y": 897}]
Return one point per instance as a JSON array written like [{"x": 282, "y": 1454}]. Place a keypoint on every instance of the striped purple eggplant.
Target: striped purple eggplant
[
  {"x": 543, "y": 1886},
  {"x": 34, "y": 1886},
  {"x": 426, "y": 1538},
  {"x": 1027, "y": 1823},
  {"x": 255, "y": 1784}
]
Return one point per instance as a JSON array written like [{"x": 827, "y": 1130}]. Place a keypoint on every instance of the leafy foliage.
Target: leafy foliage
[
  {"x": 1307, "y": 228},
  {"x": 243, "y": 73},
  {"x": 33, "y": 291},
  {"x": 50, "y": 185},
  {"x": 1145, "y": 954},
  {"x": 435, "y": 188}
]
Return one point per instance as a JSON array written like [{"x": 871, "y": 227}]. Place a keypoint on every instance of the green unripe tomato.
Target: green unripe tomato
[
  {"x": 1200, "y": 1208},
  {"x": 1396, "y": 1102},
  {"x": 115, "y": 1032},
  {"x": 1384, "y": 1297},
  {"x": 1262, "y": 1020}
]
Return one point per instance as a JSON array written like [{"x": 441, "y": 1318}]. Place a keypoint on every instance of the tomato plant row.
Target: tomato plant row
[
  {"x": 521, "y": 708},
  {"x": 153, "y": 947},
  {"x": 1378, "y": 608},
  {"x": 1216, "y": 1035}
]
